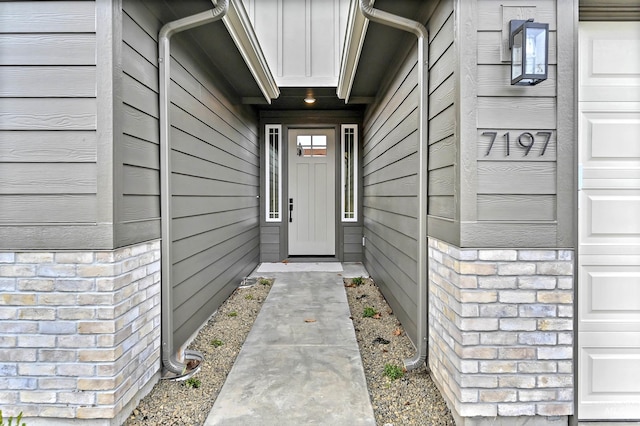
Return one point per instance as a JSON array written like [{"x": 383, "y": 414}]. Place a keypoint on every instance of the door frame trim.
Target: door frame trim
[
  {"x": 273, "y": 236},
  {"x": 335, "y": 180},
  {"x": 284, "y": 240}
]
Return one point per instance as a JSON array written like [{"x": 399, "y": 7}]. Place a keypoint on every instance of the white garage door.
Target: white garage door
[{"x": 609, "y": 222}]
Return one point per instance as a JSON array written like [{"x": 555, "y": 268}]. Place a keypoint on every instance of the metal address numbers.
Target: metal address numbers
[{"x": 525, "y": 141}]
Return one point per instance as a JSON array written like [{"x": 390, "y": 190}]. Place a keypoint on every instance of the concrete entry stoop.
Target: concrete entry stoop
[{"x": 300, "y": 364}]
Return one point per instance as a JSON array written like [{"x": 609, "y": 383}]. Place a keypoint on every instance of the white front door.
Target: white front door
[
  {"x": 609, "y": 222},
  {"x": 311, "y": 202}
]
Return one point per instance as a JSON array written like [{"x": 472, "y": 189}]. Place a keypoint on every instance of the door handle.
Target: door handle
[{"x": 290, "y": 209}]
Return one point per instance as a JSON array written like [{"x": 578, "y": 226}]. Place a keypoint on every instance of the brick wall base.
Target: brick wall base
[
  {"x": 501, "y": 333},
  {"x": 79, "y": 333}
]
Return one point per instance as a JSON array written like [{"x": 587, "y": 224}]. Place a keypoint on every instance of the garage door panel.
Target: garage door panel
[
  {"x": 615, "y": 139},
  {"x": 611, "y": 134},
  {"x": 611, "y": 370},
  {"x": 611, "y": 217},
  {"x": 610, "y": 61},
  {"x": 615, "y": 215},
  {"x": 605, "y": 52},
  {"x": 610, "y": 367},
  {"x": 610, "y": 297},
  {"x": 609, "y": 222}
]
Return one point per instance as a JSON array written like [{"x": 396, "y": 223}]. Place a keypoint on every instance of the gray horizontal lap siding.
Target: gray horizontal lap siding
[
  {"x": 390, "y": 182},
  {"x": 390, "y": 167},
  {"x": 48, "y": 120},
  {"x": 139, "y": 204},
  {"x": 443, "y": 140},
  {"x": 215, "y": 170},
  {"x": 270, "y": 244},
  {"x": 352, "y": 243},
  {"x": 513, "y": 187}
]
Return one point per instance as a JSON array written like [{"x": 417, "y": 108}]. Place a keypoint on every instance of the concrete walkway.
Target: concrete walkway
[{"x": 300, "y": 364}]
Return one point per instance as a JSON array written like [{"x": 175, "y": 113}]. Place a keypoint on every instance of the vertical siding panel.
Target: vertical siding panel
[
  {"x": 294, "y": 38},
  {"x": 301, "y": 39},
  {"x": 323, "y": 32},
  {"x": 266, "y": 24}
]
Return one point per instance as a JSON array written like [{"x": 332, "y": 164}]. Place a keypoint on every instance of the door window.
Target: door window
[{"x": 312, "y": 146}]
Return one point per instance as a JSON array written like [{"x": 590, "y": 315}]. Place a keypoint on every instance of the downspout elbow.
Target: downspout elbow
[
  {"x": 391, "y": 20},
  {"x": 169, "y": 359},
  {"x": 196, "y": 20}
]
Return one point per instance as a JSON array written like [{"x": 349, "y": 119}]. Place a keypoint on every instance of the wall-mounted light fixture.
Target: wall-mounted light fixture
[{"x": 529, "y": 43}]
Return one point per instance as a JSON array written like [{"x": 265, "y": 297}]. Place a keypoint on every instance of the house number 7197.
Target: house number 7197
[{"x": 525, "y": 141}]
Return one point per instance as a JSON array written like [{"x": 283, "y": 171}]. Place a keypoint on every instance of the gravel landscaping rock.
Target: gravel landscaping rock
[
  {"x": 410, "y": 400},
  {"x": 174, "y": 402}
]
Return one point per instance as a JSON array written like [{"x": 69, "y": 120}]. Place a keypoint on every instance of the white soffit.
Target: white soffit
[
  {"x": 357, "y": 26},
  {"x": 241, "y": 31}
]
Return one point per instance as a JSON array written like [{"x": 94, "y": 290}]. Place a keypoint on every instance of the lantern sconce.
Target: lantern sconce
[{"x": 529, "y": 44}]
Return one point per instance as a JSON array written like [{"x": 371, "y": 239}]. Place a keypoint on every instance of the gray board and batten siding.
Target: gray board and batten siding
[
  {"x": 274, "y": 235},
  {"x": 55, "y": 160},
  {"x": 215, "y": 167},
  {"x": 390, "y": 164}
]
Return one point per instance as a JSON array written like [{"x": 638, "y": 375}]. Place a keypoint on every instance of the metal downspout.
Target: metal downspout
[
  {"x": 421, "y": 33},
  {"x": 169, "y": 359}
]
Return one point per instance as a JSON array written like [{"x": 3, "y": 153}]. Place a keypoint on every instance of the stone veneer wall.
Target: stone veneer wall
[
  {"x": 79, "y": 332},
  {"x": 501, "y": 333}
]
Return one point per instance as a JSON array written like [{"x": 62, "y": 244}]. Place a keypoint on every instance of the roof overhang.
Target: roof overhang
[
  {"x": 357, "y": 26},
  {"x": 228, "y": 48},
  {"x": 371, "y": 50},
  {"x": 241, "y": 31}
]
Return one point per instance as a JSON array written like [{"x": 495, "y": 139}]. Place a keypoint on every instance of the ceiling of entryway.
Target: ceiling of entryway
[
  {"x": 292, "y": 98},
  {"x": 383, "y": 48}
]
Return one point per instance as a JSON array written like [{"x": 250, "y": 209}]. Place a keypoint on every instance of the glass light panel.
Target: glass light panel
[
  {"x": 312, "y": 145},
  {"x": 536, "y": 51},
  {"x": 273, "y": 174},
  {"x": 516, "y": 56},
  {"x": 349, "y": 173},
  {"x": 319, "y": 145}
]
